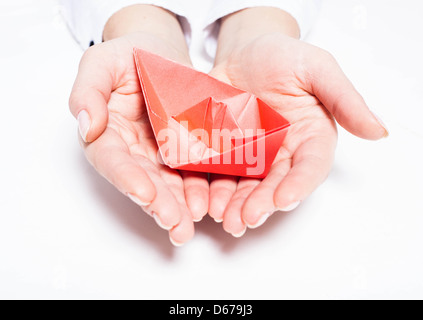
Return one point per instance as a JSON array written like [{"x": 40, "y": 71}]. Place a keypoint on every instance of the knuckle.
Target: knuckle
[{"x": 73, "y": 102}]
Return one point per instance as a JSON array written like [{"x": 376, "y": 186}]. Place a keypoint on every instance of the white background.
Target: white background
[{"x": 66, "y": 233}]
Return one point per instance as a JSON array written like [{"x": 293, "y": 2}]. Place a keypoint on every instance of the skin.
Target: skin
[
  {"x": 305, "y": 85},
  {"x": 258, "y": 51},
  {"x": 120, "y": 143}
]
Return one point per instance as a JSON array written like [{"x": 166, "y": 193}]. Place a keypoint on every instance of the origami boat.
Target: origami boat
[{"x": 205, "y": 125}]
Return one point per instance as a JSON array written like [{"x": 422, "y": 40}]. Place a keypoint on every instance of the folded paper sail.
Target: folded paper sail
[{"x": 205, "y": 125}]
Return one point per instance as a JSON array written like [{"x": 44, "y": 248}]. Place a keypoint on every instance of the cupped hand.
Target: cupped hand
[
  {"x": 118, "y": 140},
  {"x": 306, "y": 86}
]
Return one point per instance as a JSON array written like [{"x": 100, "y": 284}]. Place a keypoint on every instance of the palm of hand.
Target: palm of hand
[
  {"x": 275, "y": 71},
  {"x": 283, "y": 72},
  {"x": 126, "y": 152}
]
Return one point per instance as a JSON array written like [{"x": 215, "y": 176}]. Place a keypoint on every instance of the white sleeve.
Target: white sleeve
[
  {"x": 87, "y": 18},
  {"x": 304, "y": 11}
]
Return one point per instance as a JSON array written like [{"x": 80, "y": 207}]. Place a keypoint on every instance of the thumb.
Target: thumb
[
  {"x": 90, "y": 95},
  {"x": 330, "y": 85}
]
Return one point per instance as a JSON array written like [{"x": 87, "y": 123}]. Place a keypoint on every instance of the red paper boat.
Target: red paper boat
[{"x": 205, "y": 125}]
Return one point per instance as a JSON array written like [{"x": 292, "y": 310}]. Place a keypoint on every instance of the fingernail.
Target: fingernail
[
  {"x": 382, "y": 124},
  {"x": 239, "y": 235},
  {"x": 136, "y": 200},
  {"x": 159, "y": 222},
  {"x": 84, "y": 121},
  {"x": 175, "y": 243},
  {"x": 198, "y": 220},
  {"x": 218, "y": 220},
  {"x": 290, "y": 207},
  {"x": 261, "y": 221}
]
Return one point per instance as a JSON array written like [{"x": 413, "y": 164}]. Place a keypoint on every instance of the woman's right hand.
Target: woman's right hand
[{"x": 115, "y": 130}]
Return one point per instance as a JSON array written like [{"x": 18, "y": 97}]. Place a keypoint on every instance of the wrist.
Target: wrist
[
  {"x": 147, "y": 19},
  {"x": 242, "y": 27}
]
